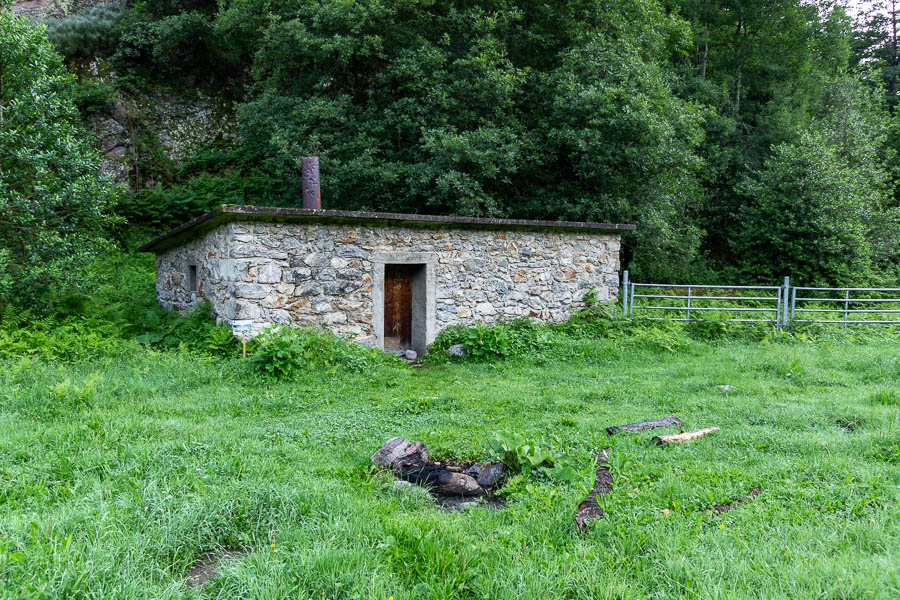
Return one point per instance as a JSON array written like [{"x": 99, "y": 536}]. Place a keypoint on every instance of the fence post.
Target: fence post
[
  {"x": 846, "y": 308},
  {"x": 625, "y": 292},
  {"x": 631, "y": 301},
  {"x": 784, "y": 302},
  {"x": 689, "y": 305}
]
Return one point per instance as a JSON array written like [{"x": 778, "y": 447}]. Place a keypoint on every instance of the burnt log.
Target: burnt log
[
  {"x": 442, "y": 480},
  {"x": 589, "y": 510},
  {"x": 684, "y": 436},
  {"x": 488, "y": 475},
  {"x": 401, "y": 455},
  {"x": 665, "y": 421}
]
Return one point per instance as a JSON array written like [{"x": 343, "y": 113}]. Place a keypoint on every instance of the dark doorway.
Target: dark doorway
[{"x": 398, "y": 306}]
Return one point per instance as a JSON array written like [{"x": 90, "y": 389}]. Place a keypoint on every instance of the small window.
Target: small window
[{"x": 192, "y": 278}]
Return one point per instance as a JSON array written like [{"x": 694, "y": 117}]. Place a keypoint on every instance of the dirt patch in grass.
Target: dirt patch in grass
[
  {"x": 850, "y": 423},
  {"x": 720, "y": 508},
  {"x": 207, "y": 568}
]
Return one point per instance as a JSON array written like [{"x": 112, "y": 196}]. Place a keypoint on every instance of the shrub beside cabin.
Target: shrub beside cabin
[{"x": 392, "y": 281}]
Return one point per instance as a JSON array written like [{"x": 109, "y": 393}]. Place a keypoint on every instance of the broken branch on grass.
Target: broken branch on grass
[
  {"x": 589, "y": 510},
  {"x": 645, "y": 425},
  {"x": 684, "y": 436}
]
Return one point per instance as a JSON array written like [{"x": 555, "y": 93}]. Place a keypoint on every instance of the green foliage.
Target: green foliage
[
  {"x": 597, "y": 319},
  {"x": 63, "y": 339},
  {"x": 219, "y": 174},
  {"x": 462, "y": 107},
  {"x": 179, "y": 43},
  {"x": 502, "y": 339},
  {"x": 54, "y": 206},
  {"x": 821, "y": 206},
  {"x": 524, "y": 457},
  {"x": 291, "y": 352},
  {"x": 710, "y": 327},
  {"x": 92, "y": 97},
  {"x": 87, "y": 34},
  {"x": 121, "y": 315},
  {"x": 222, "y": 342}
]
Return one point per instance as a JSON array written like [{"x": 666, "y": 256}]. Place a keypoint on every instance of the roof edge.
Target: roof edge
[{"x": 228, "y": 212}]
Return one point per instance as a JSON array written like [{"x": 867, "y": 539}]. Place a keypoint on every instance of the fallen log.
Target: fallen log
[
  {"x": 589, "y": 510},
  {"x": 684, "y": 436},
  {"x": 720, "y": 508},
  {"x": 645, "y": 425}
]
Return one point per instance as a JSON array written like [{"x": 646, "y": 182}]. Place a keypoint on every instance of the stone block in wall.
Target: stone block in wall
[
  {"x": 280, "y": 317},
  {"x": 241, "y": 310},
  {"x": 269, "y": 273},
  {"x": 249, "y": 290},
  {"x": 297, "y": 275},
  {"x": 227, "y": 269}
]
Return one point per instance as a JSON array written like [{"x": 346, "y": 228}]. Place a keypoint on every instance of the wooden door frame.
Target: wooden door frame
[{"x": 423, "y": 302}]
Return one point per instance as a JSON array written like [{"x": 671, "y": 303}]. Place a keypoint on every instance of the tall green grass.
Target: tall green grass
[{"x": 118, "y": 473}]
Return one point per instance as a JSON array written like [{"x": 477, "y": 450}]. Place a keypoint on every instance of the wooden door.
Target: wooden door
[{"x": 398, "y": 306}]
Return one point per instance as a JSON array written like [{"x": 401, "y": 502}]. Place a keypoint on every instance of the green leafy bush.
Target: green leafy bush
[
  {"x": 711, "y": 327},
  {"x": 222, "y": 342},
  {"x": 56, "y": 206},
  {"x": 597, "y": 319},
  {"x": 183, "y": 42},
  {"x": 87, "y": 34},
  {"x": 524, "y": 457},
  {"x": 503, "y": 339},
  {"x": 68, "y": 339},
  {"x": 92, "y": 96},
  {"x": 287, "y": 352}
]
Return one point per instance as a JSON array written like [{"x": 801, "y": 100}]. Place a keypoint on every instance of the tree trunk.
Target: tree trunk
[{"x": 705, "y": 55}]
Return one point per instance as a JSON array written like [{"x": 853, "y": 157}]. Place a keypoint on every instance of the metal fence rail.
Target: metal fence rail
[
  {"x": 843, "y": 305},
  {"x": 731, "y": 304},
  {"x": 789, "y": 304}
]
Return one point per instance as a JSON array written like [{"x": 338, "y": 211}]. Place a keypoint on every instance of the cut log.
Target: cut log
[
  {"x": 684, "y": 436},
  {"x": 645, "y": 425},
  {"x": 589, "y": 510}
]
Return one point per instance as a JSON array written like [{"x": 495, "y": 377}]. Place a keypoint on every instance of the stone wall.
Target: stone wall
[{"x": 326, "y": 273}]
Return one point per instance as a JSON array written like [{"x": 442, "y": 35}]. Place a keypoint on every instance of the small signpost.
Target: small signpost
[{"x": 242, "y": 328}]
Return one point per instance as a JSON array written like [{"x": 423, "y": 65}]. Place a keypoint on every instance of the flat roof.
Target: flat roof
[{"x": 228, "y": 213}]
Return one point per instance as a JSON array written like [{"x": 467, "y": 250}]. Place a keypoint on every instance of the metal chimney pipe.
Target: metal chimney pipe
[{"x": 309, "y": 172}]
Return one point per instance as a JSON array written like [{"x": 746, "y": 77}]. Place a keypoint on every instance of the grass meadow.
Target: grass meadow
[{"x": 119, "y": 473}]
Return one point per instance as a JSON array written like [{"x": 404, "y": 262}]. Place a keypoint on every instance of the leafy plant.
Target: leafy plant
[
  {"x": 503, "y": 339},
  {"x": 287, "y": 352},
  {"x": 524, "y": 457},
  {"x": 221, "y": 342}
]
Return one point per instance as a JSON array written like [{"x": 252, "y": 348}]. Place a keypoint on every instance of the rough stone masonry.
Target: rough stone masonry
[{"x": 282, "y": 266}]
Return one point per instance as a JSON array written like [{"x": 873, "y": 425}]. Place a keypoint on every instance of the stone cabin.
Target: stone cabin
[{"x": 389, "y": 280}]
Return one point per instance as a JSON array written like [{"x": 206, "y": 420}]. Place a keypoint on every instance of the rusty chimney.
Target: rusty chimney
[{"x": 309, "y": 172}]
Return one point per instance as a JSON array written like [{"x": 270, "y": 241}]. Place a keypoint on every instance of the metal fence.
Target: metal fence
[
  {"x": 865, "y": 301},
  {"x": 781, "y": 305}
]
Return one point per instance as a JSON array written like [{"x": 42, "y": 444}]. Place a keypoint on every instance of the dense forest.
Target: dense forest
[{"x": 747, "y": 139}]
